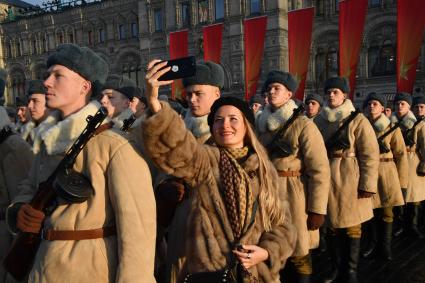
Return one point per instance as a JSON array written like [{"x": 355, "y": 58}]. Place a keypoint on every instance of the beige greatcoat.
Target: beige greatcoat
[
  {"x": 15, "y": 161},
  {"x": 392, "y": 175},
  {"x": 350, "y": 174},
  {"x": 176, "y": 151},
  {"x": 123, "y": 197},
  {"x": 308, "y": 192},
  {"x": 416, "y": 156}
]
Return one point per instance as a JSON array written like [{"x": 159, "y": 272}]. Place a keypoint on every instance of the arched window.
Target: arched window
[
  {"x": 382, "y": 59},
  {"x": 326, "y": 64},
  {"x": 16, "y": 84}
]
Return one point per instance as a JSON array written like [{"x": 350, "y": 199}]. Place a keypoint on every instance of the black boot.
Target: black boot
[
  {"x": 399, "y": 220},
  {"x": 372, "y": 239},
  {"x": 387, "y": 229},
  {"x": 413, "y": 221},
  {"x": 322, "y": 242},
  {"x": 334, "y": 248},
  {"x": 353, "y": 249}
]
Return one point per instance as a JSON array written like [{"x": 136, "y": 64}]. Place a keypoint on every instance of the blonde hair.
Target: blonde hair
[{"x": 270, "y": 204}]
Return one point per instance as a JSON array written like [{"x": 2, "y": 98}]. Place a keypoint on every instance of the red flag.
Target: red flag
[
  {"x": 213, "y": 36},
  {"x": 300, "y": 27},
  {"x": 352, "y": 14},
  {"x": 254, "y": 33},
  {"x": 178, "y": 49},
  {"x": 410, "y": 32}
]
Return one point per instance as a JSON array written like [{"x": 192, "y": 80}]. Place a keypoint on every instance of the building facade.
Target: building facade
[{"x": 129, "y": 33}]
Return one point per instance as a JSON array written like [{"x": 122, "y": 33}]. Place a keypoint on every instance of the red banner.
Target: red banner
[
  {"x": 254, "y": 33},
  {"x": 178, "y": 49},
  {"x": 300, "y": 27},
  {"x": 352, "y": 14},
  {"x": 410, "y": 32},
  {"x": 213, "y": 37}
]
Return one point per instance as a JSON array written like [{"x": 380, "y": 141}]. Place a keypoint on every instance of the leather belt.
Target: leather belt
[
  {"x": 76, "y": 235},
  {"x": 341, "y": 155},
  {"x": 289, "y": 173},
  {"x": 386, "y": 159}
]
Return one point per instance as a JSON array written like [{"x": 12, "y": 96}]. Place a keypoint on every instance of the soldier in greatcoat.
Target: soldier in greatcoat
[{"x": 313, "y": 104}]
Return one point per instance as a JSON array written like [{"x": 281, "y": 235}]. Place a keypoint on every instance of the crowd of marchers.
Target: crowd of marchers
[{"x": 210, "y": 189}]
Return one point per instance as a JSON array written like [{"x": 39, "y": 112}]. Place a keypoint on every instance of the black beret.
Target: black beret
[
  {"x": 236, "y": 102},
  {"x": 283, "y": 78},
  {"x": 378, "y": 97},
  {"x": 339, "y": 83},
  {"x": 208, "y": 73},
  {"x": 81, "y": 60},
  {"x": 36, "y": 86},
  {"x": 418, "y": 99},
  {"x": 403, "y": 96},
  {"x": 315, "y": 97},
  {"x": 256, "y": 99},
  {"x": 121, "y": 84}
]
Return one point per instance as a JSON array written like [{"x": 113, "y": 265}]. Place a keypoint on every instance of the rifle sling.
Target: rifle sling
[
  {"x": 344, "y": 125},
  {"x": 104, "y": 127}
]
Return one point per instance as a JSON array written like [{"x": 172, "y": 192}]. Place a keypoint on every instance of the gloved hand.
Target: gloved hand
[
  {"x": 314, "y": 220},
  {"x": 29, "y": 219},
  {"x": 364, "y": 194},
  {"x": 168, "y": 194}
]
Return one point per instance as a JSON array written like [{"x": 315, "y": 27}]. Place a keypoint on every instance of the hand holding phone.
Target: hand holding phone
[{"x": 180, "y": 68}]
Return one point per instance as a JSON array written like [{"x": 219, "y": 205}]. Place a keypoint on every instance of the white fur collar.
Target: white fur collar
[
  {"x": 270, "y": 121},
  {"x": 4, "y": 118},
  {"x": 381, "y": 123},
  {"x": 119, "y": 120},
  {"x": 36, "y": 131},
  {"x": 339, "y": 113},
  {"x": 407, "y": 121},
  {"x": 59, "y": 138},
  {"x": 197, "y": 125},
  {"x": 26, "y": 129}
]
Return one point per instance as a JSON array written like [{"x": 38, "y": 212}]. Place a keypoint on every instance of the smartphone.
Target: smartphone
[{"x": 180, "y": 68}]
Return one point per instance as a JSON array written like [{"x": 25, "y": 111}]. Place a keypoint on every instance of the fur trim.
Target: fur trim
[
  {"x": 139, "y": 120},
  {"x": 59, "y": 138},
  {"x": 407, "y": 121},
  {"x": 339, "y": 113},
  {"x": 35, "y": 133},
  {"x": 381, "y": 124},
  {"x": 4, "y": 118},
  {"x": 197, "y": 125},
  {"x": 119, "y": 120},
  {"x": 26, "y": 129},
  {"x": 270, "y": 121}
]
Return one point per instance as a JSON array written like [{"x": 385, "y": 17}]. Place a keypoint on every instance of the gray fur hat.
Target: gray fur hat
[
  {"x": 418, "y": 99},
  {"x": 208, "y": 73},
  {"x": 36, "y": 86},
  {"x": 403, "y": 96},
  {"x": 121, "y": 84},
  {"x": 256, "y": 99},
  {"x": 339, "y": 83},
  {"x": 314, "y": 97},
  {"x": 81, "y": 60},
  {"x": 378, "y": 97},
  {"x": 283, "y": 78}
]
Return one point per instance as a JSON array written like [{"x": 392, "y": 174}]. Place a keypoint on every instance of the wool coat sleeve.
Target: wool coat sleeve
[
  {"x": 279, "y": 241},
  {"x": 173, "y": 148},
  {"x": 398, "y": 149},
  {"x": 316, "y": 168},
  {"x": 420, "y": 144},
  {"x": 133, "y": 204},
  {"x": 367, "y": 152}
]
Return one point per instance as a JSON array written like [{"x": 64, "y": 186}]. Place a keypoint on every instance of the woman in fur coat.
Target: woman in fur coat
[{"x": 231, "y": 179}]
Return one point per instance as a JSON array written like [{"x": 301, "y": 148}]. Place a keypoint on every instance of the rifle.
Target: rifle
[
  {"x": 339, "y": 139},
  {"x": 128, "y": 123},
  {"x": 382, "y": 146},
  {"x": 19, "y": 259},
  {"x": 277, "y": 144},
  {"x": 408, "y": 134}
]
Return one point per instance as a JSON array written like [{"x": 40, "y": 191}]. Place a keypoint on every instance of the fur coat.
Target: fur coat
[
  {"x": 416, "y": 157},
  {"x": 356, "y": 170},
  {"x": 177, "y": 152},
  {"x": 392, "y": 175},
  {"x": 15, "y": 161},
  {"x": 308, "y": 192},
  {"x": 123, "y": 197}
]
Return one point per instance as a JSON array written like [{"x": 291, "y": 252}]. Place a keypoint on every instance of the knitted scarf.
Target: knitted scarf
[{"x": 236, "y": 189}]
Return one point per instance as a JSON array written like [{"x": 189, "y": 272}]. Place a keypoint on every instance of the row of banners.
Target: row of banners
[{"x": 352, "y": 14}]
